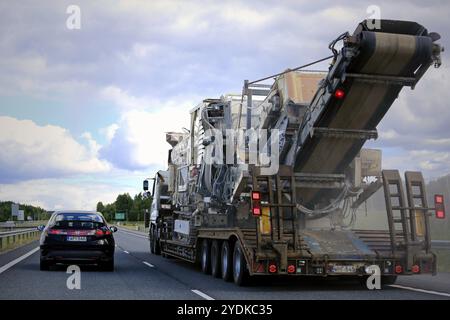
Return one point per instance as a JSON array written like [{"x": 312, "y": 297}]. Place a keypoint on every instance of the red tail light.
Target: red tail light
[
  {"x": 256, "y": 203},
  {"x": 339, "y": 94},
  {"x": 272, "y": 268},
  {"x": 57, "y": 231},
  {"x": 439, "y": 206},
  {"x": 99, "y": 232},
  {"x": 398, "y": 269},
  {"x": 415, "y": 268},
  {"x": 291, "y": 268},
  {"x": 256, "y": 211},
  {"x": 256, "y": 195}
]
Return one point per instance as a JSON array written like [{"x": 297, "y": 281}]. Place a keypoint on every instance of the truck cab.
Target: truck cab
[{"x": 161, "y": 205}]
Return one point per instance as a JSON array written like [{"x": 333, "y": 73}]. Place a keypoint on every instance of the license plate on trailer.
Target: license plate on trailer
[
  {"x": 343, "y": 269},
  {"x": 71, "y": 238}
]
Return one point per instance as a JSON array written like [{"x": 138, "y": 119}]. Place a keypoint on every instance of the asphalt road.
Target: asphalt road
[{"x": 140, "y": 275}]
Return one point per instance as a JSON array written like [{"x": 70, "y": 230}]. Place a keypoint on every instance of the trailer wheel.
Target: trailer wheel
[
  {"x": 205, "y": 259},
  {"x": 215, "y": 259},
  {"x": 226, "y": 261},
  {"x": 240, "y": 274}
]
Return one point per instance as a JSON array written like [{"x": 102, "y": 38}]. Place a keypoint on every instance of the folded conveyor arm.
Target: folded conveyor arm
[{"x": 371, "y": 69}]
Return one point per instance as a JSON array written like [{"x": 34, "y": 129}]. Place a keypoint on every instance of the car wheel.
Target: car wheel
[
  {"x": 107, "y": 265},
  {"x": 226, "y": 261},
  {"x": 206, "y": 257},
  {"x": 44, "y": 265},
  {"x": 215, "y": 259},
  {"x": 240, "y": 273}
]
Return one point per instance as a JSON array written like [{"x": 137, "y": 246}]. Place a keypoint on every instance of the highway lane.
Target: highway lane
[{"x": 140, "y": 275}]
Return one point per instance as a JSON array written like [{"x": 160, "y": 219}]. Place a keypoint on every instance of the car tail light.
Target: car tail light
[
  {"x": 57, "y": 231},
  {"x": 256, "y": 203},
  {"x": 291, "y": 268},
  {"x": 339, "y": 94},
  {"x": 99, "y": 232},
  {"x": 415, "y": 268},
  {"x": 439, "y": 206},
  {"x": 398, "y": 269},
  {"x": 272, "y": 268}
]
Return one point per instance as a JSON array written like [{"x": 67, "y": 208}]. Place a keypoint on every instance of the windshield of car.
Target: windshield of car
[{"x": 78, "y": 221}]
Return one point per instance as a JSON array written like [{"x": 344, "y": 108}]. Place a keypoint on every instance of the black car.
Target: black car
[{"x": 77, "y": 237}]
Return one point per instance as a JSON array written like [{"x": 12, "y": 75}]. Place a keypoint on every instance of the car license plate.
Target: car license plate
[
  {"x": 71, "y": 238},
  {"x": 344, "y": 269}
]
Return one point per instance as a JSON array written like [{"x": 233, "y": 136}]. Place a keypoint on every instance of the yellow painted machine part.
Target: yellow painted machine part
[
  {"x": 420, "y": 223},
  {"x": 264, "y": 220}
]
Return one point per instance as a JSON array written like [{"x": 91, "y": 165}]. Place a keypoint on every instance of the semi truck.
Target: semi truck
[{"x": 269, "y": 182}]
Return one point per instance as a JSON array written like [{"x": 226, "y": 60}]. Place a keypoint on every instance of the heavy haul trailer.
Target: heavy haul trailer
[{"x": 241, "y": 218}]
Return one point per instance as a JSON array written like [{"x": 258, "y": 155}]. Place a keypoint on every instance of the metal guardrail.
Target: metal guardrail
[
  {"x": 21, "y": 224},
  {"x": 440, "y": 244},
  {"x": 8, "y": 238}
]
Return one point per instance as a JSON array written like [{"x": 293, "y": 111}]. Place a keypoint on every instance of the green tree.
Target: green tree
[
  {"x": 124, "y": 203},
  {"x": 100, "y": 207}
]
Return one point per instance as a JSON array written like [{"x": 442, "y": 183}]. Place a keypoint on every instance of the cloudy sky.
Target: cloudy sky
[{"x": 83, "y": 111}]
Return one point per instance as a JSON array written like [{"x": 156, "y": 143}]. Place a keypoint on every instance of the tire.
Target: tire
[
  {"x": 150, "y": 240},
  {"x": 107, "y": 265},
  {"x": 44, "y": 265},
  {"x": 205, "y": 258},
  {"x": 226, "y": 261},
  {"x": 215, "y": 259},
  {"x": 387, "y": 280},
  {"x": 156, "y": 249},
  {"x": 240, "y": 273}
]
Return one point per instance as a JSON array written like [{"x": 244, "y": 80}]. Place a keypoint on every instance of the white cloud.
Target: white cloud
[
  {"x": 55, "y": 194},
  {"x": 433, "y": 164},
  {"x": 123, "y": 98},
  {"x": 139, "y": 141},
  {"x": 109, "y": 131},
  {"x": 31, "y": 151}
]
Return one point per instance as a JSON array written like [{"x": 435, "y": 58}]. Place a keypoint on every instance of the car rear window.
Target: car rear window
[{"x": 78, "y": 221}]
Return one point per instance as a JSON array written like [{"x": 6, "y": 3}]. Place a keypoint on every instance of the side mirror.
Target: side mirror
[
  {"x": 41, "y": 227},
  {"x": 113, "y": 228}
]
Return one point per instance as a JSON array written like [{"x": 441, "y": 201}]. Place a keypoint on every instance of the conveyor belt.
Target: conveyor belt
[{"x": 371, "y": 69}]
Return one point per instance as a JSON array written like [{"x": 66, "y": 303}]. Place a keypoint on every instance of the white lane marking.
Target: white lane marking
[
  {"x": 126, "y": 251},
  {"x": 201, "y": 294},
  {"x": 16, "y": 261},
  {"x": 148, "y": 264},
  {"x": 134, "y": 234},
  {"x": 421, "y": 290}
]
